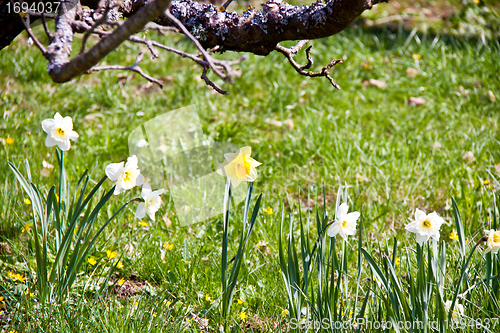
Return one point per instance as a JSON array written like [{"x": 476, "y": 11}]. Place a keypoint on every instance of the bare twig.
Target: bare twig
[
  {"x": 98, "y": 22},
  {"x": 134, "y": 68},
  {"x": 46, "y": 28},
  {"x": 27, "y": 26},
  {"x": 290, "y": 53},
  {"x": 207, "y": 57},
  {"x": 211, "y": 83},
  {"x": 160, "y": 28}
]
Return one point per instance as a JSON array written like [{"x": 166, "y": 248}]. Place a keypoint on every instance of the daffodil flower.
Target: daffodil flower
[
  {"x": 345, "y": 224},
  {"x": 151, "y": 204},
  {"x": 458, "y": 309},
  {"x": 239, "y": 166},
  {"x": 126, "y": 177},
  {"x": 425, "y": 226},
  {"x": 59, "y": 131},
  {"x": 493, "y": 242}
]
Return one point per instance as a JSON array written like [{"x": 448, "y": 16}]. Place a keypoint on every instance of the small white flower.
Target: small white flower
[
  {"x": 425, "y": 226},
  {"x": 142, "y": 143},
  {"x": 493, "y": 241},
  {"x": 126, "y": 177},
  {"x": 60, "y": 131},
  {"x": 458, "y": 309},
  {"x": 345, "y": 224},
  {"x": 151, "y": 204}
]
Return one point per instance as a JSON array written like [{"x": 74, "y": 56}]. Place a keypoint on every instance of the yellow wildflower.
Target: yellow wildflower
[
  {"x": 26, "y": 227},
  {"x": 1, "y": 298},
  {"x": 76, "y": 230},
  {"x": 486, "y": 182},
  {"x": 284, "y": 313},
  {"x": 168, "y": 303},
  {"x": 207, "y": 298},
  {"x": 144, "y": 224},
  {"x": 92, "y": 261},
  {"x": 9, "y": 141},
  {"x": 268, "y": 210},
  {"x": 121, "y": 281},
  {"x": 243, "y": 316},
  {"x": 476, "y": 1},
  {"x": 239, "y": 301},
  {"x": 119, "y": 265},
  {"x": 111, "y": 254},
  {"x": 168, "y": 246},
  {"x": 416, "y": 56},
  {"x": 454, "y": 235},
  {"x": 27, "y": 201}
]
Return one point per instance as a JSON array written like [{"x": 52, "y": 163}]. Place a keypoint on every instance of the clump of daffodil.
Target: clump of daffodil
[
  {"x": 493, "y": 241},
  {"x": 151, "y": 204},
  {"x": 59, "y": 131},
  {"x": 425, "y": 226},
  {"x": 126, "y": 176},
  {"x": 345, "y": 223},
  {"x": 239, "y": 166}
]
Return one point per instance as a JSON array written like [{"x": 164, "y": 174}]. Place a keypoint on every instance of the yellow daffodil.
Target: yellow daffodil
[
  {"x": 425, "y": 226},
  {"x": 27, "y": 201},
  {"x": 9, "y": 141},
  {"x": 151, "y": 204},
  {"x": 453, "y": 235},
  {"x": 239, "y": 166},
  {"x": 121, "y": 281},
  {"x": 284, "y": 313},
  {"x": 111, "y": 254},
  {"x": 126, "y": 177},
  {"x": 243, "y": 316},
  {"x": 92, "y": 261},
  {"x": 268, "y": 210},
  {"x": 27, "y": 227},
  {"x": 493, "y": 242},
  {"x": 345, "y": 223},
  {"x": 59, "y": 131}
]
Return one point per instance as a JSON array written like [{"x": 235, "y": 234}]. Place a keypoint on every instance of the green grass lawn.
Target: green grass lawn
[{"x": 394, "y": 156}]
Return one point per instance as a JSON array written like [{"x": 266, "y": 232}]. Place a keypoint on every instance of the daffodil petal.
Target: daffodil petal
[
  {"x": 141, "y": 210},
  {"x": 47, "y": 125},
  {"x": 342, "y": 211},
  {"x": 253, "y": 163},
  {"x": 419, "y": 215},
  {"x": 113, "y": 170},
  {"x": 246, "y": 151},
  {"x": 50, "y": 142},
  {"x": 230, "y": 156},
  {"x": 354, "y": 216},
  {"x": 64, "y": 145}
]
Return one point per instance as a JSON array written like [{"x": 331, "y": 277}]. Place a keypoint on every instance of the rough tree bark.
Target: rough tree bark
[{"x": 254, "y": 31}]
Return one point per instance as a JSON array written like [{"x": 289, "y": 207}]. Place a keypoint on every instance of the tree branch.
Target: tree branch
[{"x": 62, "y": 70}]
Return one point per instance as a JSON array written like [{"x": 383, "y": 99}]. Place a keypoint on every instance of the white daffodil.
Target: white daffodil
[
  {"x": 493, "y": 241},
  {"x": 425, "y": 226},
  {"x": 345, "y": 224},
  {"x": 59, "y": 131},
  {"x": 126, "y": 177},
  {"x": 458, "y": 309},
  {"x": 239, "y": 166},
  {"x": 151, "y": 204}
]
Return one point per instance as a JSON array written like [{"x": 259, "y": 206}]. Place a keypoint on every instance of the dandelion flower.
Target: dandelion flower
[
  {"x": 345, "y": 224},
  {"x": 151, "y": 204},
  {"x": 27, "y": 201},
  {"x": 458, "y": 309},
  {"x": 239, "y": 166},
  {"x": 493, "y": 242},
  {"x": 60, "y": 131},
  {"x": 268, "y": 210},
  {"x": 243, "y": 316},
  {"x": 119, "y": 265},
  {"x": 126, "y": 177},
  {"x": 284, "y": 313},
  {"x": 92, "y": 261},
  {"x": 425, "y": 226},
  {"x": 9, "y": 141}
]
